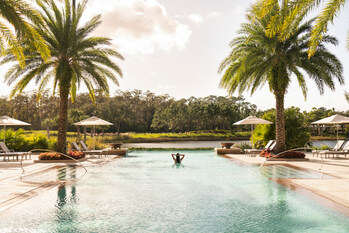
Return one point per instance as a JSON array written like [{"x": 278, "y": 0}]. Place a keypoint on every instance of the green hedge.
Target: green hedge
[{"x": 18, "y": 141}]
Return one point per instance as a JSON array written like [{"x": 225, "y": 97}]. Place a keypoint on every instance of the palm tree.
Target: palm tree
[
  {"x": 16, "y": 14},
  {"x": 257, "y": 58},
  {"x": 295, "y": 13},
  {"x": 76, "y": 58}
]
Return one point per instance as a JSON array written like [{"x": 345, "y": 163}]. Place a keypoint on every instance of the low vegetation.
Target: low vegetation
[
  {"x": 297, "y": 133},
  {"x": 19, "y": 141},
  {"x": 58, "y": 156}
]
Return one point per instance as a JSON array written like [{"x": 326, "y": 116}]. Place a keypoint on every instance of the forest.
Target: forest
[{"x": 143, "y": 111}]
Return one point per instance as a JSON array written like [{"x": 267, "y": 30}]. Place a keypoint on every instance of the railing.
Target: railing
[{"x": 281, "y": 153}]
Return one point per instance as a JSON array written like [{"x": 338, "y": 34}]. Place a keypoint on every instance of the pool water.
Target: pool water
[
  {"x": 281, "y": 171},
  {"x": 146, "y": 192}
]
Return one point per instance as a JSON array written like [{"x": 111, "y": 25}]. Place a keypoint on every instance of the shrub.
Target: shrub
[
  {"x": 76, "y": 154},
  {"x": 52, "y": 144},
  {"x": 243, "y": 146},
  {"x": 267, "y": 154},
  {"x": 96, "y": 143},
  {"x": 296, "y": 132},
  {"x": 14, "y": 139},
  {"x": 293, "y": 155},
  {"x": 288, "y": 155},
  {"x": 17, "y": 140},
  {"x": 51, "y": 156},
  {"x": 58, "y": 156},
  {"x": 37, "y": 141}
]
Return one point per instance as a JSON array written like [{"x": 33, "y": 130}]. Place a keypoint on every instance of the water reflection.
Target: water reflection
[
  {"x": 178, "y": 165},
  {"x": 65, "y": 211},
  {"x": 279, "y": 171},
  {"x": 277, "y": 201}
]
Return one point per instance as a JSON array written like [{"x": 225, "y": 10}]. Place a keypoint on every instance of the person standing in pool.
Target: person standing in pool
[{"x": 177, "y": 157}]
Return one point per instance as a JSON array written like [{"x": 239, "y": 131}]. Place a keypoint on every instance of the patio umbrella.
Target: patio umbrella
[
  {"x": 92, "y": 121},
  {"x": 252, "y": 120},
  {"x": 5, "y": 120},
  {"x": 333, "y": 120}
]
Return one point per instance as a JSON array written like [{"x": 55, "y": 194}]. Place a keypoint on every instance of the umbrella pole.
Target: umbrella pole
[
  {"x": 94, "y": 138},
  {"x": 5, "y": 134},
  {"x": 85, "y": 134},
  {"x": 252, "y": 135}
]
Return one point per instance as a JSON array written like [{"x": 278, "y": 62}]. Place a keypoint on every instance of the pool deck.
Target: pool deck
[
  {"x": 16, "y": 187},
  {"x": 333, "y": 192}
]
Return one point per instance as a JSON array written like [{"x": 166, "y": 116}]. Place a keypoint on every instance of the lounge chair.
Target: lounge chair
[
  {"x": 337, "y": 147},
  {"x": 7, "y": 153},
  {"x": 343, "y": 151},
  {"x": 253, "y": 152},
  {"x": 87, "y": 152}
]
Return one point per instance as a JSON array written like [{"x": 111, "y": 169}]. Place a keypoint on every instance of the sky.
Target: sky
[{"x": 176, "y": 46}]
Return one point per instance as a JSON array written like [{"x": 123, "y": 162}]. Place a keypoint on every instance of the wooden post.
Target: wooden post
[
  {"x": 48, "y": 132},
  {"x": 85, "y": 134}
]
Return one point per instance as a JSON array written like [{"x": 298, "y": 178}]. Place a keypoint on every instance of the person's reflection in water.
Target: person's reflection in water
[{"x": 177, "y": 165}]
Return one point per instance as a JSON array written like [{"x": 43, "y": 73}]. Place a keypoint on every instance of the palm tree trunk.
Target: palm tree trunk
[
  {"x": 280, "y": 134},
  {"x": 63, "y": 119}
]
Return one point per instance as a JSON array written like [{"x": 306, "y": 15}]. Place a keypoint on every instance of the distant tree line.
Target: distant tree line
[
  {"x": 139, "y": 111},
  {"x": 133, "y": 111}
]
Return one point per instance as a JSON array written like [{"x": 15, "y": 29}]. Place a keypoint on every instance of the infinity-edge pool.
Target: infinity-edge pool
[{"x": 146, "y": 193}]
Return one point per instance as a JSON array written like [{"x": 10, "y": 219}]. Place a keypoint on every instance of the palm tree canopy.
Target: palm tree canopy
[
  {"x": 76, "y": 57},
  {"x": 296, "y": 10},
  {"x": 17, "y": 15},
  {"x": 258, "y": 58}
]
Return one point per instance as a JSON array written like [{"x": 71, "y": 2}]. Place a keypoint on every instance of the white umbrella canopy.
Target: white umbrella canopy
[
  {"x": 252, "y": 120},
  {"x": 6, "y": 120},
  {"x": 92, "y": 121},
  {"x": 333, "y": 120}
]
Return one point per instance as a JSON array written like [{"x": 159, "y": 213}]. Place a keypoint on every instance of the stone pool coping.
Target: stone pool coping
[{"x": 333, "y": 193}]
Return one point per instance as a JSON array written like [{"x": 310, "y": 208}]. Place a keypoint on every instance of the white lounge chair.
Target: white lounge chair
[
  {"x": 7, "y": 153},
  {"x": 337, "y": 147},
  {"x": 253, "y": 152},
  {"x": 342, "y": 151},
  {"x": 87, "y": 152}
]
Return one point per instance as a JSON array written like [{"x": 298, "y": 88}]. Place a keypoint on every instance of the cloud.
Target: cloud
[
  {"x": 199, "y": 19},
  {"x": 196, "y": 18},
  {"x": 214, "y": 14},
  {"x": 141, "y": 26}
]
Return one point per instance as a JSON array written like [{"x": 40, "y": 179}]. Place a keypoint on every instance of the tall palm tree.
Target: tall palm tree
[
  {"x": 296, "y": 12},
  {"x": 76, "y": 58},
  {"x": 257, "y": 58},
  {"x": 17, "y": 15}
]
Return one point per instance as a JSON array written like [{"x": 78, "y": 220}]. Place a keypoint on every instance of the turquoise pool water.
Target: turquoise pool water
[
  {"x": 147, "y": 193},
  {"x": 281, "y": 171}
]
